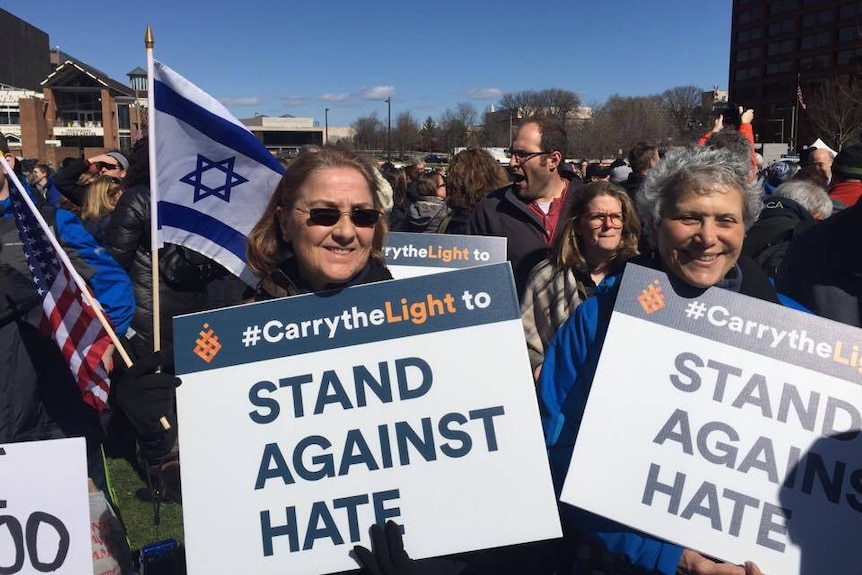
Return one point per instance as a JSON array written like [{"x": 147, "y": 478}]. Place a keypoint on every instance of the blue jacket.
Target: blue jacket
[
  {"x": 567, "y": 375},
  {"x": 110, "y": 283},
  {"x": 565, "y": 382}
]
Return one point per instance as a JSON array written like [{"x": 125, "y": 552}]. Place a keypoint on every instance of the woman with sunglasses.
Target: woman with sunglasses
[
  {"x": 601, "y": 232},
  {"x": 322, "y": 229},
  {"x": 99, "y": 203}
]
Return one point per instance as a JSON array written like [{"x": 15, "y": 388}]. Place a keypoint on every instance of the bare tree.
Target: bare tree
[
  {"x": 551, "y": 102},
  {"x": 683, "y": 106},
  {"x": 835, "y": 110},
  {"x": 466, "y": 114},
  {"x": 558, "y": 104},
  {"x": 525, "y": 102},
  {"x": 617, "y": 125},
  {"x": 453, "y": 129},
  {"x": 368, "y": 132},
  {"x": 406, "y": 132}
]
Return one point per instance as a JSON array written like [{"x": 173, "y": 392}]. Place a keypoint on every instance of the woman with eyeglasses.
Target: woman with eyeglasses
[
  {"x": 600, "y": 233},
  {"x": 322, "y": 229}
]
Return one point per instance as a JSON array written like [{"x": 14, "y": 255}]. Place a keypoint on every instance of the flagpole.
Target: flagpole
[
  {"x": 64, "y": 258},
  {"x": 155, "y": 242},
  {"x": 794, "y": 118}
]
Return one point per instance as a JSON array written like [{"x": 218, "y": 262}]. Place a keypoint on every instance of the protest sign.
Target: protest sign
[
  {"x": 410, "y": 255},
  {"x": 727, "y": 425},
  {"x": 304, "y": 420},
  {"x": 45, "y": 508}
]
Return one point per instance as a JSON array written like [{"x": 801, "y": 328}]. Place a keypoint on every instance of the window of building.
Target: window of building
[
  {"x": 10, "y": 117},
  {"x": 849, "y": 34},
  {"x": 783, "y": 47},
  {"x": 814, "y": 62},
  {"x": 817, "y": 19},
  {"x": 779, "y": 6},
  {"x": 748, "y": 73},
  {"x": 850, "y": 10},
  {"x": 125, "y": 142},
  {"x": 846, "y": 57},
  {"x": 749, "y": 35},
  {"x": 754, "y": 14},
  {"x": 123, "y": 121},
  {"x": 786, "y": 26},
  {"x": 815, "y": 40},
  {"x": 779, "y": 67},
  {"x": 749, "y": 54}
]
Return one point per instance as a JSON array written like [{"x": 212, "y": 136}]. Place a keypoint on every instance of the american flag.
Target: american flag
[
  {"x": 71, "y": 322},
  {"x": 799, "y": 96}
]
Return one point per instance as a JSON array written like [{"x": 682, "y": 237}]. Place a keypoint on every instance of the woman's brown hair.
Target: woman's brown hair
[
  {"x": 567, "y": 250},
  {"x": 266, "y": 247}
]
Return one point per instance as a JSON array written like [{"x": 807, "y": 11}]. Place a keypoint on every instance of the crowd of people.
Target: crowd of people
[{"x": 707, "y": 215}]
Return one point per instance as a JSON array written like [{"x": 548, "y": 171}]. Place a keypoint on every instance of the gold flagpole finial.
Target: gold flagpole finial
[{"x": 148, "y": 38}]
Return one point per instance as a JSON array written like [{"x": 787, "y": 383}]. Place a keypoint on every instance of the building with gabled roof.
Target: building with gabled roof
[{"x": 81, "y": 111}]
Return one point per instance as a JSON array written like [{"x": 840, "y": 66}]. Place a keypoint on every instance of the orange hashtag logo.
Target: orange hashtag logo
[
  {"x": 652, "y": 298},
  {"x": 207, "y": 344}
]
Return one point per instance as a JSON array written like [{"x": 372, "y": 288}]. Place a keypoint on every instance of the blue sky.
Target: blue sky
[{"x": 295, "y": 57}]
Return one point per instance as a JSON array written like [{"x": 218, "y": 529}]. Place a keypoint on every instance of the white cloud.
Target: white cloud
[
  {"x": 376, "y": 92},
  {"x": 241, "y": 101},
  {"x": 340, "y": 97},
  {"x": 295, "y": 101},
  {"x": 484, "y": 94}
]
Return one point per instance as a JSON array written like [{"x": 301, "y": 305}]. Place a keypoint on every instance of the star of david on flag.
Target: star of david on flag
[
  {"x": 214, "y": 176},
  {"x": 224, "y": 171}
]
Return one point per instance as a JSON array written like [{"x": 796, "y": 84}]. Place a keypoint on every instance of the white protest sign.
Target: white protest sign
[
  {"x": 727, "y": 425},
  {"x": 410, "y": 254},
  {"x": 305, "y": 420},
  {"x": 45, "y": 508}
]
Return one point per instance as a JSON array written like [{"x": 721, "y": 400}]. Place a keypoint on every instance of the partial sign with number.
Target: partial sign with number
[{"x": 45, "y": 509}]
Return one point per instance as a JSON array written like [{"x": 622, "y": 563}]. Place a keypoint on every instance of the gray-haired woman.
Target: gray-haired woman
[{"x": 696, "y": 205}]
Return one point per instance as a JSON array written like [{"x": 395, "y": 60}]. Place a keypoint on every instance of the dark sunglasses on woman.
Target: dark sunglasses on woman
[{"x": 360, "y": 217}]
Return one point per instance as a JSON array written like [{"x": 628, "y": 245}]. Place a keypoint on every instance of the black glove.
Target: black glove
[
  {"x": 390, "y": 558},
  {"x": 146, "y": 397}
]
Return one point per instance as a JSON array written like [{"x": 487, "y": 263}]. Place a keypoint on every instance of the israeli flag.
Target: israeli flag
[{"x": 214, "y": 177}]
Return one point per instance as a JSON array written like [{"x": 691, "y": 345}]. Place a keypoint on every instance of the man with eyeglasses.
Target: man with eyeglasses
[
  {"x": 67, "y": 178},
  {"x": 527, "y": 211}
]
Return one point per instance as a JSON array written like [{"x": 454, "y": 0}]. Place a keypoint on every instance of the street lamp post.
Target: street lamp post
[
  {"x": 388, "y": 128},
  {"x": 326, "y": 126}
]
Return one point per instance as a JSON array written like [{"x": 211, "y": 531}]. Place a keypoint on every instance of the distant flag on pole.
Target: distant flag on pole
[
  {"x": 214, "y": 176},
  {"x": 71, "y": 322},
  {"x": 799, "y": 95}
]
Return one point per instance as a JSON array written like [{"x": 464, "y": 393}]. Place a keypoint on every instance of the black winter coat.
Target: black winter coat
[{"x": 129, "y": 241}]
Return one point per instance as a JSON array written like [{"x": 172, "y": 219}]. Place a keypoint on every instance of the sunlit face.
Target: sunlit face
[
  {"x": 39, "y": 175},
  {"x": 600, "y": 228},
  {"x": 531, "y": 173},
  {"x": 822, "y": 162},
  {"x": 329, "y": 254},
  {"x": 700, "y": 235}
]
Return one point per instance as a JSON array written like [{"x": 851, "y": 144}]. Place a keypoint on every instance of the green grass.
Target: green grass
[{"x": 138, "y": 515}]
